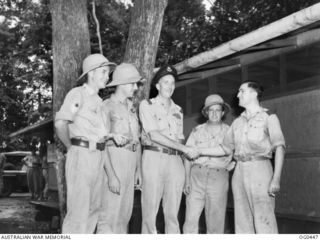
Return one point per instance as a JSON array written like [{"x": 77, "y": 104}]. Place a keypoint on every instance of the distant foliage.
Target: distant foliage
[
  {"x": 188, "y": 29},
  {"x": 25, "y": 66}
]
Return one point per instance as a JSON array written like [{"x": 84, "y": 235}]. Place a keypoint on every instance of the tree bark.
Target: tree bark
[
  {"x": 70, "y": 45},
  {"x": 142, "y": 44}
]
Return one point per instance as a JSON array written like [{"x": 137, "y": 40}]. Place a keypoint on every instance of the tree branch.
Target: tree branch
[{"x": 97, "y": 24}]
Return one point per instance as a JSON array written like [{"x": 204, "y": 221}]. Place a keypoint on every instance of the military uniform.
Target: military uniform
[
  {"x": 84, "y": 165},
  {"x": 117, "y": 209},
  {"x": 209, "y": 180},
  {"x": 253, "y": 141},
  {"x": 34, "y": 175},
  {"x": 162, "y": 168}
]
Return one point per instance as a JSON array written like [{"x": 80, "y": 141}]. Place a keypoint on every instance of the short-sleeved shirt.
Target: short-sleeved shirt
[
  {"x": 154, "y": 116},
  {"x": 257, "y": 136},
  {"x": 201, "y": 137},
  {"x": 82, "y": 107},
  {"x": 122, "y": 118}
]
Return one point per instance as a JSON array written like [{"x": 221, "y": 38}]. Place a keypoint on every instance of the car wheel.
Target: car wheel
[
  {"x": 8, "y": 187},
  {"x": 8, "y": 182}
]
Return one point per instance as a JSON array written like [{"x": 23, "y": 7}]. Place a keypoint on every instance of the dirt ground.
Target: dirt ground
[{"x": 17, "y": 215}]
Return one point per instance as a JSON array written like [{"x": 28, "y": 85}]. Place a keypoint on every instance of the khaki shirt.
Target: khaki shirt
[
  {"x": 122, "y": 118},
  {"x": 82, "y": 107},
  {"x": 154, "y": 116},
  {"x": 257, "y": 136},
  {"x": 200, "y": 137}
]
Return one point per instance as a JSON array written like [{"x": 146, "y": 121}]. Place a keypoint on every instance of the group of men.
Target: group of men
[{"x": 113, "y": 148}]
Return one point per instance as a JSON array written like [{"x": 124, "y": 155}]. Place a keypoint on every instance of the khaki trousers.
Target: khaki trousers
[
  {"x": 117, "y": 209},
  {"x": 209, "y": 190},
  {"x": 254, "y": 208},
  {"x": 163, "y": 178},
  {"x": 84, "y": 174}
]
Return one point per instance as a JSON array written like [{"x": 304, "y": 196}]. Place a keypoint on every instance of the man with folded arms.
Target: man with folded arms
[
  {"x": 162, "y": 166},
  {"x": 252, "y": 139},
  {"x": 207, "y": 178},
  {"x": 80, "y": 126},
  {"x": 125, "y": 155}
]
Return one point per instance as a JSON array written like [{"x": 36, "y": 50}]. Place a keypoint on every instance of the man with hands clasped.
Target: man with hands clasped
[
  {"x": 80, "y": 126},
  {"x": 162, "y": 167},
  {"x": 207, "y": 177},
  {"x": 124, "y": 149}
]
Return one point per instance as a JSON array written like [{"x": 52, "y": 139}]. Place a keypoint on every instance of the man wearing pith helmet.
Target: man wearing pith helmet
[
  {"x": 80, "y": 126},
  {"x": 162, "y": 167},
  {"x": 125, "y": 153},
  {"x": 207, "y": 177}
]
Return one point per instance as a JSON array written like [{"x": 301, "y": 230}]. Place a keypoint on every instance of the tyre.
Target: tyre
[
  {"x": 8, "y": 182},
  {"x": 8, "y": 187}
]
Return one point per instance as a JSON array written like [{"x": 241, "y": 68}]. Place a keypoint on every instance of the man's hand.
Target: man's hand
[
  {"x": 119, "y": 139},
  {"x": 191, "y": 152},
  {"x": 274, "y": 187},
  {"x": 138, "y": 180},
  {"x": 187, "y": 186},
  {"x": 114, "y": 184}
]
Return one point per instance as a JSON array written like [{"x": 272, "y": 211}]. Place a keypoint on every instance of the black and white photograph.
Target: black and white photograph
[{"x": 159, "y": 117}]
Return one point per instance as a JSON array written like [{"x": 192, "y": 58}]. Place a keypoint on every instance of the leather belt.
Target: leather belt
[
  {"x": 36, "y": 164},
  {"x": 251, "y": 158},
  {"x": 208, "y": 167},
  {"x": 85, "y": 144},
  {"x": 131, "y": 146},
  {"x": 168, "y": 151}
]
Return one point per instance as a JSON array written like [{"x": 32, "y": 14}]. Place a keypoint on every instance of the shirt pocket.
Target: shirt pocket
[
  {"x": 91, "y": 113},
  {"x": 162, "y": 122},
  {"x": 177, "y": 121},
  {"x": 119, "y": 124},
  {"x": 203, "y": 143},
  {"x": 256, "y": 132}
]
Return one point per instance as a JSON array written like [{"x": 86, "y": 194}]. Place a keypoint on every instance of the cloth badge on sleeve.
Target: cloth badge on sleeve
[{"x": 75, "y": 107}]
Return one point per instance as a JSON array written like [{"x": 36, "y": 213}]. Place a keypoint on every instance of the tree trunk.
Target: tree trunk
[
  {"x": 70, "y": 44},
  {"x": 144, "y": 33}
]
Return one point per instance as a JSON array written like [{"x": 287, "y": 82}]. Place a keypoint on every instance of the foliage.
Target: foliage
[
  {"x": 114, "y": 20},
  {"x": 233, "y": 18},
  {"x": 25, "y": 66},
  {"x": 188, "y": 29}
]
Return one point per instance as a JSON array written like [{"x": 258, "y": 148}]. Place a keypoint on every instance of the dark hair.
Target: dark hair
[{"x": 256, "y": 86}]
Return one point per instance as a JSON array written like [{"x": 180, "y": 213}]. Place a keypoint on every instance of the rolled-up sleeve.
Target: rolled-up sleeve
[
  {"x": 70, "y": 106},
  {"x": 275, "y": 132},
  {"x": 180, "y": 129},
  {"x": 148, "y": 121}
]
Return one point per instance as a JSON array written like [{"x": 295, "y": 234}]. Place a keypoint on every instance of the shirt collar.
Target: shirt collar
[
  {"x": 260, "y": 110},
  {"x": 159, "y": 102},
  {"x": 89, "y": 89},
  {"x": 115, "y": 99}
]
